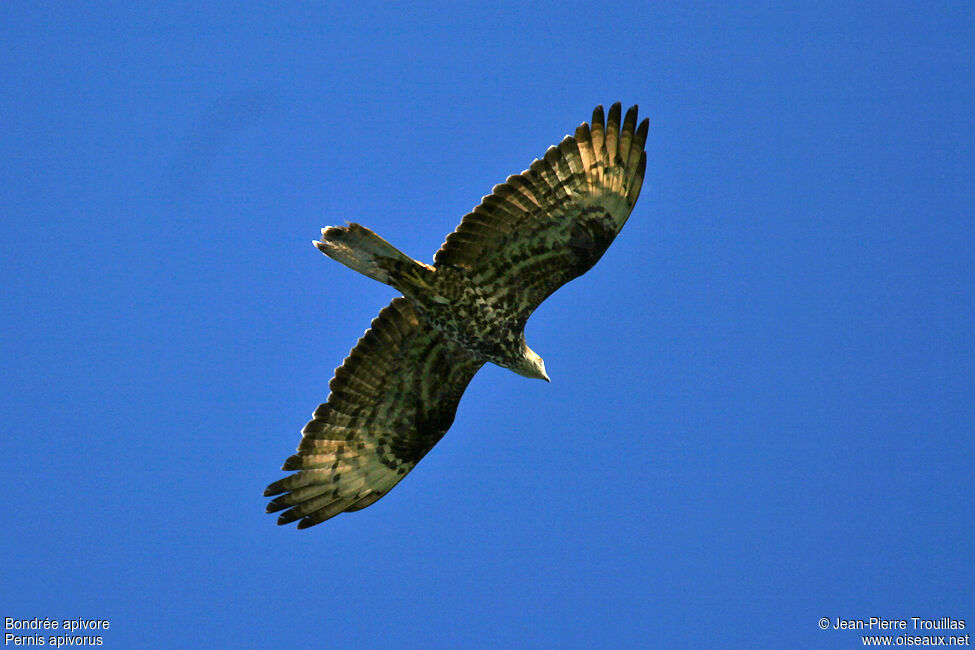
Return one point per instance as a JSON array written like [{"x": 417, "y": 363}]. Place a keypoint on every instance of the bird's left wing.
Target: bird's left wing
[{"x": 392, "y": 400}]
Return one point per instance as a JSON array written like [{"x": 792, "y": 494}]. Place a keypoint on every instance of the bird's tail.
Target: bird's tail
[{"x": 364, "y": 251}]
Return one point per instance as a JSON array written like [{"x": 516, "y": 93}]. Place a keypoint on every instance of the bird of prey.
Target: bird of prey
[{"x": 396, "y": 394}]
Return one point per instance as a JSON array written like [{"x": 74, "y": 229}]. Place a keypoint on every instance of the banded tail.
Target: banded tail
[{"x": 364, "y": 251}]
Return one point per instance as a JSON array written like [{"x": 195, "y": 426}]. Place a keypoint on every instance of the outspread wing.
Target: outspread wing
[
  {"x": 552, "y": 223},
  {"x": 392, "y": 400}
]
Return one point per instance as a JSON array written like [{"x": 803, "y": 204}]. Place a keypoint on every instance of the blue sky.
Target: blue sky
[{"x": 763, "y": 396}]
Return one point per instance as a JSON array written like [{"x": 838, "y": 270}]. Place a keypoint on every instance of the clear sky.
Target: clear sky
[{"x": 763, "y": 396}]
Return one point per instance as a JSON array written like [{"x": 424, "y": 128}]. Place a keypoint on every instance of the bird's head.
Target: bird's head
[{"x": 530, "y": 365}]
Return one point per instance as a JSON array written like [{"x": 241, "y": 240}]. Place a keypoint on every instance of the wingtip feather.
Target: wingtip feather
[
  {"x": 275, "y": 488},
  {"x": 598, "y": 116},
  {"x": 273, "y": 506},
  {"x": 287, "y": 517}
]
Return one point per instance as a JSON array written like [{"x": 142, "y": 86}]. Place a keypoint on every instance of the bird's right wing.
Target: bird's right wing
[
  {"x": 392, "y": 400},
  {"x": 552, "y": 222}
]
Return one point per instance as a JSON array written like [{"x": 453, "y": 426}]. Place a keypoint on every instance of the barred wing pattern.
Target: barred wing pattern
[
  {"x": 552, "y": 223},
  {"x": 391, "y": 401}
]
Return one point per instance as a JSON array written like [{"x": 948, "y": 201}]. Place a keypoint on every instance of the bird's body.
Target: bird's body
[
  {"x": 450, "y": 298},
  {"x": 463, "y": 312},
  {"x": 397, "y": 393}
]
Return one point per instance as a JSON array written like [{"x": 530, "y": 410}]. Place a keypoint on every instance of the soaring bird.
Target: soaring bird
[{"x": 396, "y": 394}]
